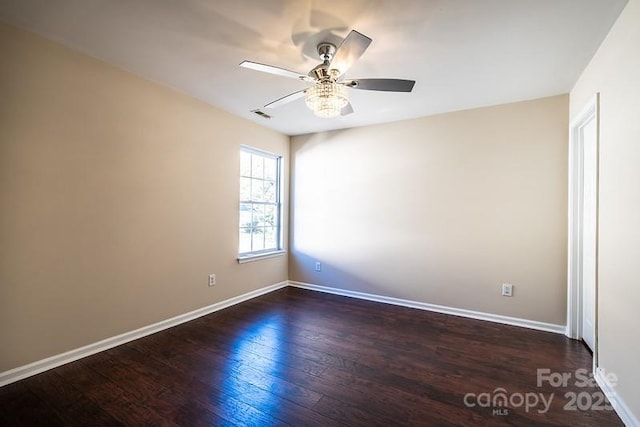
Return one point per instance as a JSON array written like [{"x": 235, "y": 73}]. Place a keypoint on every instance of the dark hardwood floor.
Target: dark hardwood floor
[{"x": 296, "y": 357}]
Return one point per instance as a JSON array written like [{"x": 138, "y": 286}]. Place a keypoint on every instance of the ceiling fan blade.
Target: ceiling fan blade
[
  {"x": 347, "y": 109},
  {"x": 352, "y": 48},
  {"x": 388, "y": 85},
  {"x": 286, "y": 99},
  {"x": 274, "y": 70}
]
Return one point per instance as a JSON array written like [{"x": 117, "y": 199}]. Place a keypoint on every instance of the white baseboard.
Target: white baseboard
[
  {"x": 525, "y": 323},
  {"x": 618, "y": 404},
  {"x": 39, "y": 366}
]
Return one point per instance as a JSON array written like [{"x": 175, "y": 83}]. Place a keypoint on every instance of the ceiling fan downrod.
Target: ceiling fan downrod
[{"x": 322, "y": 72}]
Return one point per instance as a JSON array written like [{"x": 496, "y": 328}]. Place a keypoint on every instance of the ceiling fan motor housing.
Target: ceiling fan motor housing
[{"x": 326, "y": 51}]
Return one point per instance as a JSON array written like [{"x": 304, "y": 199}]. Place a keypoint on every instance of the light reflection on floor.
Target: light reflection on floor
[{"x": 256, "y": 353}]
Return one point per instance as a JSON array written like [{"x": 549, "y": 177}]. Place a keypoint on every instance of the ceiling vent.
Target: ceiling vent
[{"x": 261, "y": 114}]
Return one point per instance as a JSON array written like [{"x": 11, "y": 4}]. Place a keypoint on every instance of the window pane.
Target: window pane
[
  {"x": 270, "y": 213},
  {"x": 270, "y": 168},
  {"x": 245, "y": 163},
  {"x": 269, "y": 190},
  {"x": 245, "y": 189},
  {"x": 245, "y": 240},
  {"x": 257, "y": 190},
  {"x": 270, "y": 238},
  {"x": 257, "y": 166},
  {"x": 245, "y": 214},
  {"x": 258, "y": 239},
  {"x": 258, "y": 216}
]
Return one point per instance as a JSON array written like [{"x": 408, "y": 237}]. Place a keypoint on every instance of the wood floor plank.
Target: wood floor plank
[
  {"x": 20, "y": 407},
  {"x": 118, "y": 402},
  {"x": 241, "y": 382},
  {"x": 297, "y": 357},
  {"x": 70, "y": 405}
]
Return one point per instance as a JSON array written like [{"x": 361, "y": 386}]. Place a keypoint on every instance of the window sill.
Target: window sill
[{"x": 257, "y": 257}]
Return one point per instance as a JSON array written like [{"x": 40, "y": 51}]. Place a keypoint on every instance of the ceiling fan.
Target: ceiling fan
[{"x": 328, "y": 97}]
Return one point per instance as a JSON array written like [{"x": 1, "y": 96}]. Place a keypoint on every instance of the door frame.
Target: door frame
[{"x": 576, "y": 169}]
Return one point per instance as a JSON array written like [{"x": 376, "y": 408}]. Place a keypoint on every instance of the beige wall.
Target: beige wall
[
  {"x": 118, "y": 197},
  {"x": 441, "y": 209},
  {"x": 615, "y": 72}
]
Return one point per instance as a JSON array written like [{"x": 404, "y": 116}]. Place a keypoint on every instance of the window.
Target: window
[{"x": 260, "y": 203}]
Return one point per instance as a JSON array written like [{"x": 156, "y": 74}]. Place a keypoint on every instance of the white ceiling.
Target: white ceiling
[{"x": 462, "y": 53}]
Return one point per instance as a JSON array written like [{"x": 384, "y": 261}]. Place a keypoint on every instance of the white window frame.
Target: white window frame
[{"x": 271, "y": 252}]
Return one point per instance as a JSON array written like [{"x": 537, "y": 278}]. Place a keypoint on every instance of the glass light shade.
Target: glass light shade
[{"x": 326, "y": 99}]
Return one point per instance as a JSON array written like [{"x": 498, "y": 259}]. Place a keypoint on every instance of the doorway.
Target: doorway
[{"x": 583, "y": 226}]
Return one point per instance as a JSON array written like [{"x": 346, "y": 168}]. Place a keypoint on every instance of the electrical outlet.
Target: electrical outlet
[
  {"x": 318, "y": 266},
  {"x": 212, "y": 280},
  {"x": 507, "y": 290}
]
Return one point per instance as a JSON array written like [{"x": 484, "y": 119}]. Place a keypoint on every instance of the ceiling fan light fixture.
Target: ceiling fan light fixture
[{"x": 326, "y": 98}]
